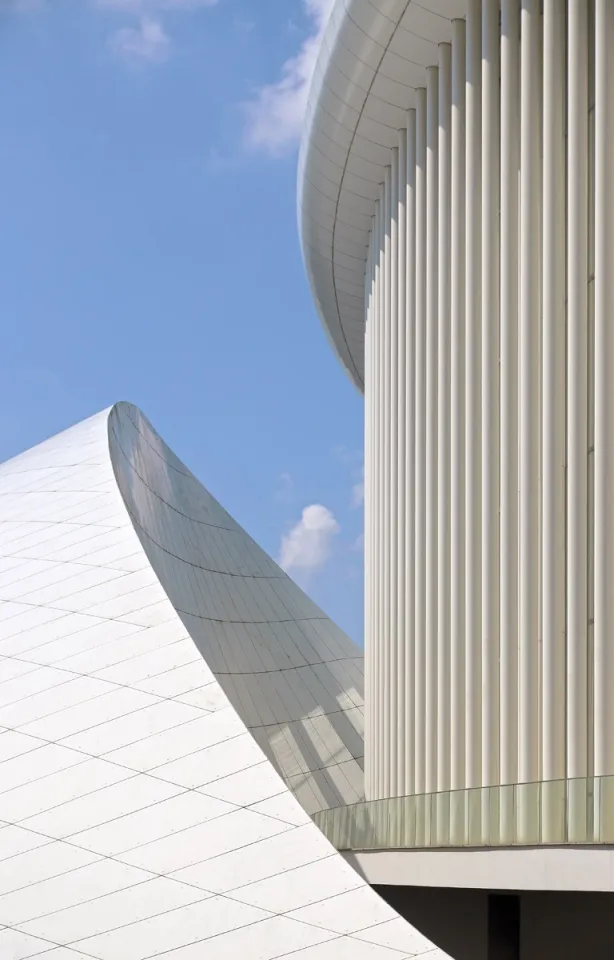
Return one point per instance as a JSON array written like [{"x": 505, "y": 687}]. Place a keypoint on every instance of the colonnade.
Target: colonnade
[{"x": 489, "y": 295}]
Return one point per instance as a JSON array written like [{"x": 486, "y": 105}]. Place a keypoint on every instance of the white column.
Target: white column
[
  {"x": 420, "y": 501},
  {"x": 553, "y": 399},
  {"x": 528, "y": 734},
  {"x": 472, "y": 398},
  {"x": 577, "y": 387},
  {"x": 430, "y": 717},
  {"x": 508, "y": 477},
  {"x": 457, "y": 408},
  {"x": 604, "y": 389},
  {"x": 405, "y": 379},
  {"x": 368, "y": 512},
  {"x": 443, "y": 417},
  {"x": 394, "y": 638},
  {"x": 410, "y": 446},
  {"x": 373, "y": 649},
  {"x": 490, "y": 392},
  {"x": 380, "y": 530},
  {"x": 386, "y": 593}
]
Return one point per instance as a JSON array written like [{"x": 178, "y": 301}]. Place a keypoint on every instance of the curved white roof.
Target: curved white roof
[
  {"x": 374, "y": 56},
  {"x": 172, "y": 706}
]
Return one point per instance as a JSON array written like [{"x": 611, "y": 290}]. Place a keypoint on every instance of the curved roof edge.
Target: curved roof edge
[
  {"x": 373, "y": 57},
  {"x": 172, "y": 709}
]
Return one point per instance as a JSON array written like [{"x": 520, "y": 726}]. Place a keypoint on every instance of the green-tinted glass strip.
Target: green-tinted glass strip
[{"x": 546, "y": 812}]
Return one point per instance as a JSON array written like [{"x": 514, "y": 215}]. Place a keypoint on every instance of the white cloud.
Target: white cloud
[
  {"x": 307, "y": 545},
  {"x": 148, "y": 42},
  {"x": 275, "y": 115}
]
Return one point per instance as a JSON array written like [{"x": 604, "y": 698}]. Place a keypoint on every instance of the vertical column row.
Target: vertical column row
[{"x": 480, "y": 386}]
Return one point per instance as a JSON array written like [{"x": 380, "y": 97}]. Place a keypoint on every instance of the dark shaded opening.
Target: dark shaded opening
[{"x": 503, "y": 926}]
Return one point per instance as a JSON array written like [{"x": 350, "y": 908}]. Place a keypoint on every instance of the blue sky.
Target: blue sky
[{"x": 149, "y": 252}]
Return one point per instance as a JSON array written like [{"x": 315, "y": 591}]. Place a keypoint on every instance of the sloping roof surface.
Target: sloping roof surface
[{"x": 167, "y": 697}]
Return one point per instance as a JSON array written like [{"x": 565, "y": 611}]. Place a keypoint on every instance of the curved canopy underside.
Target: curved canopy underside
[{"x": 374, "y": 56}]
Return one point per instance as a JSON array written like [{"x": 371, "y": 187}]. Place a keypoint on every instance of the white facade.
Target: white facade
[
  {"x": 172, "y": 707},
  {"x": 457, "y": 209}
]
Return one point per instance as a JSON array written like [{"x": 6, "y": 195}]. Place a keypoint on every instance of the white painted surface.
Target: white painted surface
[
  {"x": 167, "y": 696},
  {"x": 500, "y": 404},
  {"x": 531, "y": 868}
]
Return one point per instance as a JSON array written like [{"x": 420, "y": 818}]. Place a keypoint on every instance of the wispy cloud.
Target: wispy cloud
[
  {"x": 148, "y": 42},
  {"x": 307, "y": 544},
  {"x": 275, "y": 115}
]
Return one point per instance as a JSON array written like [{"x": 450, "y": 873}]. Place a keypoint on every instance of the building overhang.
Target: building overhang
[
  {"x": 374, "y": 57},
  {"x": 561, "y": 868}
]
